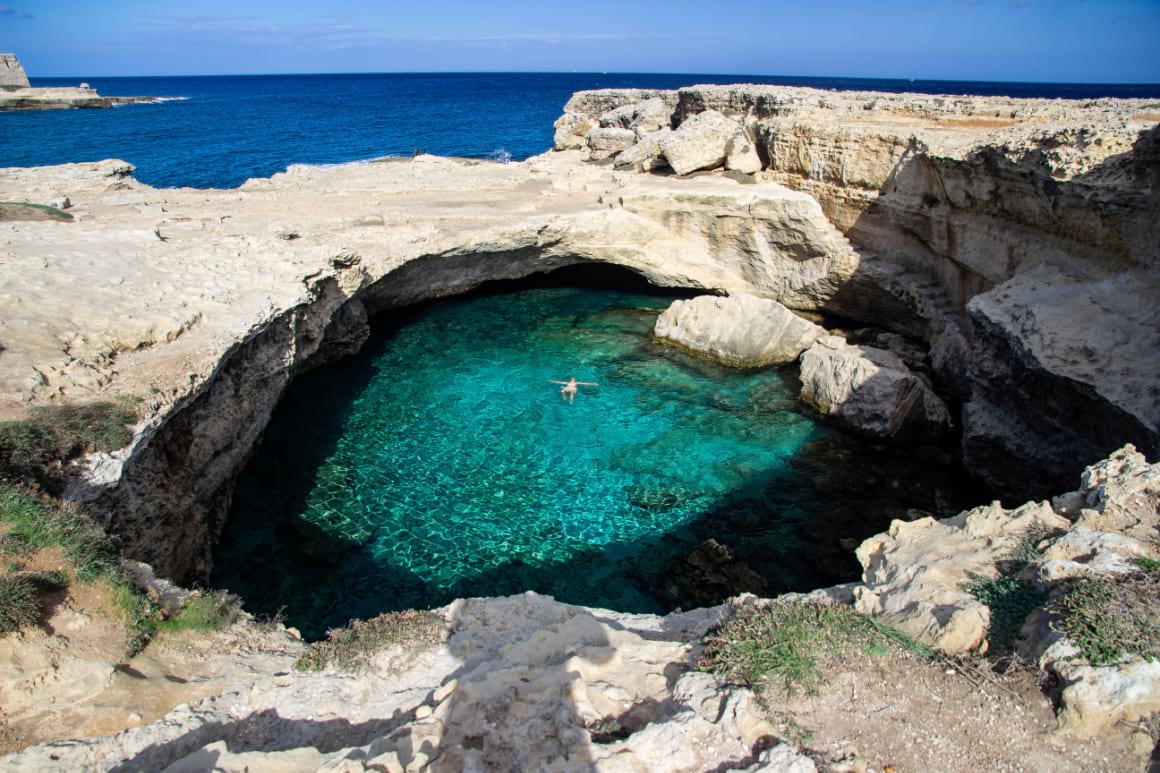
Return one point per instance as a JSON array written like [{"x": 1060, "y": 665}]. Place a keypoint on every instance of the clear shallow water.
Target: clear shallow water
[
  {"x": 441, "y": 463},
  {"x": 231, "y": 128}
]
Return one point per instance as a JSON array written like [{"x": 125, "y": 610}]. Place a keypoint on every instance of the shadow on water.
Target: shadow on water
[{"x": 788, "y": 523}]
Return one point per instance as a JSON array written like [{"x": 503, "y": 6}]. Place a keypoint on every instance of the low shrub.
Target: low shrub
[
  {"x": 1108, "y": 619},
  {"x": 1010, "y": 600},
  {"x": 37, "y": 448},
  {"x": 19, "y": 603},
  {"x": 782, "y": 644},
  {"x": 352, "y": 647}
]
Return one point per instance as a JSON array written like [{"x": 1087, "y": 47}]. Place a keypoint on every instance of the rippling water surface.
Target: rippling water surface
[{"x": 441, "y": 462}]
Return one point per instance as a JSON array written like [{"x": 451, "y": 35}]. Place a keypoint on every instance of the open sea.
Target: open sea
[{"x": 221, "y": 130}]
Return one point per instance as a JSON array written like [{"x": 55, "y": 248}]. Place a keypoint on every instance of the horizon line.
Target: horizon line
[{"x": 613, "y": 73}]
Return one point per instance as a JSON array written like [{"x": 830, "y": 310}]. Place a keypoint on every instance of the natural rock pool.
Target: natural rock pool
[{"x": 441, "y": 462}]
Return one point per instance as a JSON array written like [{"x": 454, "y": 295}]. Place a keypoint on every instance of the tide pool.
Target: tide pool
[{"x": 441, "y": 462}]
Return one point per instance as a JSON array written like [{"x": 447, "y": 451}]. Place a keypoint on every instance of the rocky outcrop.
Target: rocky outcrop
[
  {"x": 740, "y": 329},
  {"x": 17, "y": 94},
  {"x": 260, "y": 307},
  {"x": 706, "y": 141},
  {"x": 12, "y": 75},
  {"x": 522, "y": 683},
  {"x": 1084, "y": 353},
  {"x": 870, "y": 390},
  {"x": 913, "y": 575},
  {"x": 916, "y": 576},
  {"x": 964, "y": 195}
]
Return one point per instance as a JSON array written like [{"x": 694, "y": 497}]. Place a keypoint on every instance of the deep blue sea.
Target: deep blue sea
[{"x": 230, "y": 128}]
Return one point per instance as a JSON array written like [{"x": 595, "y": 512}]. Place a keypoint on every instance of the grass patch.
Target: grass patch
[
  {"x": 23, "y": 210},
  {"x": 1109, "y": 619},
  {"x": 36, "y": 522},
  {"x": 205, "y": 612},
  {"x": 140, "y": 614},
  {"x": 782, "y": 645},
  {"x": 351, "y": 648},
  {"x": 38, "y": 448}
]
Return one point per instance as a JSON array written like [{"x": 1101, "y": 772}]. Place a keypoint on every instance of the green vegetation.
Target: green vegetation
[
  {"x": 351, "y": 648},
  {"x": 23, "y": 210},
  {"x": 38, "y": 448},
  {"x": 19, "y": 603},
  {"x": 1009, "y": 599},
  {"x": 139, "y": 613},
  {"x": 205, "y": 612},
  {"x": 35, "y": 523},
  {"x": 1108, "y": 619},
  {"x": 783, "y": 644}
]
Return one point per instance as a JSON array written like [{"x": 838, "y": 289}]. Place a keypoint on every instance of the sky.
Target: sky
[{"x": 1078, "y": 41}]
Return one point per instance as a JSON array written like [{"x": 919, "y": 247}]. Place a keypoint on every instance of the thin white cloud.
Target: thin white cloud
[
  {"x": 538, "y": 37},
  {"x": 333, "y": 35}
]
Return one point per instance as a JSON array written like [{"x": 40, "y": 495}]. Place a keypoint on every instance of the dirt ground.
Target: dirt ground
[{"x": 896, "y": 713}]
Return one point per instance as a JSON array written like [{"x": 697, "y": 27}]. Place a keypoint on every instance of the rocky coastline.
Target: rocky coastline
[
  {"x": 16, "y": 93},
  {"x": 1007, "y": 250}
]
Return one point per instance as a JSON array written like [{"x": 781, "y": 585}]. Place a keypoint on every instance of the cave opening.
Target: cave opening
[{"x": 441, "y": 462}]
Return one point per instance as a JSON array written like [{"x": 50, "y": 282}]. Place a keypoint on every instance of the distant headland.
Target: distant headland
[{"x": 16, "y": 93}]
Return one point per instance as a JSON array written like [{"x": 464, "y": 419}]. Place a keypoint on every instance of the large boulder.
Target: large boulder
[
  {"x": 642, "y": 117},
  {"x": 705, "y": 141},
  {"x": 741, "y": 329},
  {"x": 870, "y": 390},
  {"x": 645, "y": 155},
  {"x": 606, "y": 143},
  {"x": 571, "y": 131}
]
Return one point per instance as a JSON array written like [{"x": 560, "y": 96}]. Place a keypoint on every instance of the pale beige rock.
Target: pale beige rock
[
  {"x": 1086, "y": 553},
  {"x": 571, "y": 131},
  {"x": 741, "y": 156},
  {"x": 524, "y": 682},
  {"x": 642, "y": 117},
  {"x": 913, "y": 575},
  {"x": 89, "y": 305},
  {"x": 605, "y": 143},
  {"x": 739, "y": 329},
  {"x": 869, "y": 389},
  {"x": 645, "y": 155},
  {"x": 702, "y": 142},
  {"x": 1096, "y": 698}
]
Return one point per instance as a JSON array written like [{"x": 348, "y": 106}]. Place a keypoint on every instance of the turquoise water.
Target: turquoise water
[{"x": 441, "y": 462}]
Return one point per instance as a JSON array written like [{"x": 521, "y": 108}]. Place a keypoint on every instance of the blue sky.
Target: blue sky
[{"x": 1015, "y": 40}]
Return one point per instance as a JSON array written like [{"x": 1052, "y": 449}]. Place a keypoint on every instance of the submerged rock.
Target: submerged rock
[
  {"x": 870, "y": 390},
  {"x": 709, "y": 575},
  {"x": 739, "y": 329}
]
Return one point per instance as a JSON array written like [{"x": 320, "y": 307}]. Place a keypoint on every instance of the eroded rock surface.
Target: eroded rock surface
[
  {"x": 522, "y": 683},
  {"x": 870, "y": 390},
  {"x": 1039, "y": 216},
  {"x": 738, "y": 329},
  {"x": 207, "y": 303}
]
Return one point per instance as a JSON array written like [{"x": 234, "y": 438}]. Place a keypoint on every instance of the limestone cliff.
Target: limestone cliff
[{"x": 969, "y": 197}]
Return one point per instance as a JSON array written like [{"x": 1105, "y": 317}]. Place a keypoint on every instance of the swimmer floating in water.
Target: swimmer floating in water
[{"x": 568, "y": 391}]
